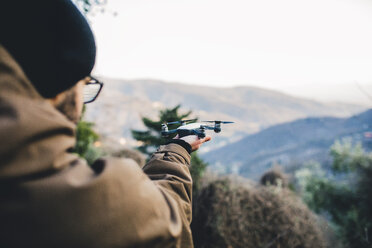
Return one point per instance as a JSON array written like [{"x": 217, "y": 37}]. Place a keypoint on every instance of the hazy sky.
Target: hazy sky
[{"x": 312, "y": 48}]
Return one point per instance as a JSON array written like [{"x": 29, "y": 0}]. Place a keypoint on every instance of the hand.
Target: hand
[{"x": 194, "y": 141}]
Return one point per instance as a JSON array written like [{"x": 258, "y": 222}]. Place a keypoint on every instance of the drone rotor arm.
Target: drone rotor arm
[
  {"x": 207, "y": 127},
  {"x": 167, "y": 133},
  {"x": 173, "y": 131}
]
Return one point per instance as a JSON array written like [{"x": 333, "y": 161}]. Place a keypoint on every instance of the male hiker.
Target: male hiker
[{"x": 48, "y": 196}]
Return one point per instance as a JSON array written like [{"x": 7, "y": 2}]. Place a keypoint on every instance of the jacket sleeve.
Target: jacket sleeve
[
  {"x": 118, "y": 205},
  {"x": 169, "y": 170}
]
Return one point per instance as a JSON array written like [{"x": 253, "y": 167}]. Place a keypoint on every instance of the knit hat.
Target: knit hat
[{"x": 50, "y": 39}]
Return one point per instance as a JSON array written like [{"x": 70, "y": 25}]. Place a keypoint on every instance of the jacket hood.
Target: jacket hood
[{"x": 34, "y": 135}]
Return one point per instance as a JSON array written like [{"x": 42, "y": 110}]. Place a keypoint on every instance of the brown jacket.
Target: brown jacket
[{"x": 51, "y": 198}]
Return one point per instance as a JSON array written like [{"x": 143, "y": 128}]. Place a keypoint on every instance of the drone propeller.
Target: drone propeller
[
  {"x": 220, "y": 122},
  {"x": 181, "y": 122}
]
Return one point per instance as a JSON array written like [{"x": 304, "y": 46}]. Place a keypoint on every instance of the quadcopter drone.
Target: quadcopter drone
[{"x": 192, "y": 128}]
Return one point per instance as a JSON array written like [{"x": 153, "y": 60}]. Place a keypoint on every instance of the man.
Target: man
[{"x": 48, "y": 196}]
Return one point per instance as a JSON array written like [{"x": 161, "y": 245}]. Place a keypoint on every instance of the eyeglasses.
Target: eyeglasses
[{"x": 92, "y": 90}]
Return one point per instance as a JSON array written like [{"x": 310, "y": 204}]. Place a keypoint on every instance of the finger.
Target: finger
[{"x": 206, "y": 139}]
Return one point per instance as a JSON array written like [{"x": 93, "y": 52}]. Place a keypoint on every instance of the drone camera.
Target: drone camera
[{"x": 164, "y": 128}]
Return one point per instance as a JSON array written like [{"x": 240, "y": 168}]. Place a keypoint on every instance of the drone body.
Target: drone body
[{"x": 192, "y": 128}]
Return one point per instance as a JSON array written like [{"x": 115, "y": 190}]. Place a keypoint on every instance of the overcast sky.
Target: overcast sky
[{"x": 314, "y": 48}]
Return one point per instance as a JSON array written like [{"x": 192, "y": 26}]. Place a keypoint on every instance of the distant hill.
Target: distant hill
[
  {"x": 289, "y": 144},
  {"x": 122, "y": 103}
]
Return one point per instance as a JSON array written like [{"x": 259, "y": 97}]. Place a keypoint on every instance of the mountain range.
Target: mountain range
[
  {"x": 122, "y": 103},
  {"x": 290, "y": 144}
]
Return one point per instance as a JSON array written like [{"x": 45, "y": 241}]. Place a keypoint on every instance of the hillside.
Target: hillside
[
  {"x": 123, "y": 102},
  {"x": 289, "y": 144}
]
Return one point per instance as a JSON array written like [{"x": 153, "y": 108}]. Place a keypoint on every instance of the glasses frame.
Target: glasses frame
[{"x": 94, "y": 81}]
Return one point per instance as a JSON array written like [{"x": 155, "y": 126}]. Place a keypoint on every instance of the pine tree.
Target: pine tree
[{"x": 152, "y": 138}]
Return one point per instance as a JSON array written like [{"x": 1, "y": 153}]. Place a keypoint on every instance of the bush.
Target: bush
[
  {"x": 346, "y": 197},
  {"x": 274, "y": 177},
  {"x": 237, "y": 215},
  {"x": 85, "y": 138}
]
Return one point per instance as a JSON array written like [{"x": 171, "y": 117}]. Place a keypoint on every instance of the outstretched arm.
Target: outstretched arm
[{"x": 169, "y": 170}]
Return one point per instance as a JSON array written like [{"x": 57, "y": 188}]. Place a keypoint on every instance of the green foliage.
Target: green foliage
[
  {"x": 86, "y": 6},
  {"x": 197, "y": 169},
  {"x": 348, "y": 157},
  {"x": 151, "y": 139},
  {"x": 85, "y": 138},
  {"x": 346, "y": 198}
]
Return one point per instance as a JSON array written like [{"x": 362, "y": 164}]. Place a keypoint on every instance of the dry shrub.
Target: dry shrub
[
  {"x": 234, "y": 215},
  {"x": 274, "y": 177}
]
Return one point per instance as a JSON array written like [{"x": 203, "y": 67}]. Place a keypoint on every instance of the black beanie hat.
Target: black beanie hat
[{"x": 50, "y": 39}]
